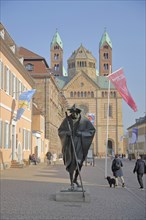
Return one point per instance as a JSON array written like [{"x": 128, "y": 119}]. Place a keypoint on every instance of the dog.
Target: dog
[{"x": 111, "y": 181}]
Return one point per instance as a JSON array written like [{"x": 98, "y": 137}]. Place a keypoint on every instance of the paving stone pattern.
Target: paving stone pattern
[{"x": 29, "y": 194}]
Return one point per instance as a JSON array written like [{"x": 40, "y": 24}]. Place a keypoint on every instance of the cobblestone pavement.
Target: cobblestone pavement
[{"x": 29, "y": 194}]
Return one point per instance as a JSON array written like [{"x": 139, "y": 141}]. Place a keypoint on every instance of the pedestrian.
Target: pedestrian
[
  {"x": 49, "y": 157},
  {"x": 32, "y": 158},
  {"x": 54, "y": 158},
  {"x": 117, "y": 170},
  {"x": 140, "y": 168},
  {"x": 76, "y": 133}
]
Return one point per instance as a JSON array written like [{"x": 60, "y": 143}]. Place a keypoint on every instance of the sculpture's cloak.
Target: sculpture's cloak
[{"x": 82, "y": 132}]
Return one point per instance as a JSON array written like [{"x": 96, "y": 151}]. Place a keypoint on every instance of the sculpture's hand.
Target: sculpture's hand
[
  {"x": 68, "y": 133},
  {"x": 78, "y": 133}
]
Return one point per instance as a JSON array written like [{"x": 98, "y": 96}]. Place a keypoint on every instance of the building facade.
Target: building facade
[
  {"x": 37, "y": 130},
  {"x": 15, "y": 136},
  {"x": 137, "y": 140},
  {"x": 18, "y": 138},
  {"x": 48, "y": 97},
  {"x": 88, "y": 88}
]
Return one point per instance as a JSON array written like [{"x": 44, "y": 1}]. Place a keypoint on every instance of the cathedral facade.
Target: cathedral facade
[{"x": 88, "y": 88}]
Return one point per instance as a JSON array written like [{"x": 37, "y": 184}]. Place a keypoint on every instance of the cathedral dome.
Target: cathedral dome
[
  {"x": 82, "y": 59},
  {"x": 82, "y": 53}
]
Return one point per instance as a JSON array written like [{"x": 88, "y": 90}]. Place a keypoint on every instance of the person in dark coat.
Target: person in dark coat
[
  {"x": 32, "y": 158},
  {"x": 117, "y": 170},
  {"x": 82, "y": 132},
  {"x": 49, "y": 157},
  {"x": 140, "y": 170}
]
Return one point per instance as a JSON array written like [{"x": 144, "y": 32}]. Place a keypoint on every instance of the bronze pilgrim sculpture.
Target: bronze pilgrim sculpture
[{"x": 76, "y": 134}]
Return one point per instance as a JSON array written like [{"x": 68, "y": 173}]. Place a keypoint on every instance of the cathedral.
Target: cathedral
[
  {"x": 56, "y": 90},
  {"x": 87, "y": 87}
]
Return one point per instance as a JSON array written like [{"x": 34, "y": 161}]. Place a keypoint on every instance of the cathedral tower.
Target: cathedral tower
[
  {"x": 56, "y": 52},
  {"x": 105, "y": 55},
  {"x": 82, "y": 59}
]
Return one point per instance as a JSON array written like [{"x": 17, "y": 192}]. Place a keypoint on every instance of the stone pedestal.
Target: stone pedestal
[{"x": 76, "y": 195}]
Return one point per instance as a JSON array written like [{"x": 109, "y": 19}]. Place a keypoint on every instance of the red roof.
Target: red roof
[{"x": 39, "y": 63}]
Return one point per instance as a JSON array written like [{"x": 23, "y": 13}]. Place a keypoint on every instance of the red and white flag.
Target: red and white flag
[{"x": 119, "y": 81}]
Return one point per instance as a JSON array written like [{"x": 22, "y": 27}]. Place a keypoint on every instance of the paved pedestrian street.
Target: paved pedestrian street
[{"x": 29, "y": 193}]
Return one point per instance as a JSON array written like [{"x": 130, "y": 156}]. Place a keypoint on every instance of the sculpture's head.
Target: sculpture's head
[{"x": 75, "y": 111}]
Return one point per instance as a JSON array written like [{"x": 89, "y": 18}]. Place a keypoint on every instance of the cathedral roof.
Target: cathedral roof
[
  {"x": 56, "y": 39},
  {"x": 62, "y": 81},
  {"x": 82, "y": 53},
  {"x": 105, "y": 38},
  {"x": 101, "y": 81}
]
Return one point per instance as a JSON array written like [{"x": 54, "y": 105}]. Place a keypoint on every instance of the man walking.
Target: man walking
[{"x": 140, "y": 170}]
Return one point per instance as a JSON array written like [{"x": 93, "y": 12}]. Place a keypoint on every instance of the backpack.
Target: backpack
[{"x": 117, "y": 165}]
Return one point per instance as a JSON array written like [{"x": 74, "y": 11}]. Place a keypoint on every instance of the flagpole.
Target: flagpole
[{"x": 106, "y": 147}]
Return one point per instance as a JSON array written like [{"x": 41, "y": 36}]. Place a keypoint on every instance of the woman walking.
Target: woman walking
[{"x": 117, "y": 170}]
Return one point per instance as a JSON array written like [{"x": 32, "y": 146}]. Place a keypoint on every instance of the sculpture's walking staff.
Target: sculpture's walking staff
[{"x": 75, "y": 154}]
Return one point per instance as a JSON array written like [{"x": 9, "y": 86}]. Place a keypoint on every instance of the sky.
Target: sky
[{"x": 32, "y": 24}]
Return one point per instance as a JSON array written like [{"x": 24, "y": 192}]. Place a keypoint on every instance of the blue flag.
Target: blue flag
[
  {"x": 134, "y": 135},
  {"x": 24, "y": 100}
]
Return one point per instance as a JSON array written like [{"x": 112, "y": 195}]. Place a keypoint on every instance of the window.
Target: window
[
  {"x": 29, "y": 67},
  {"x": 71, "y": 94},
  {"x": 106, "y": 109},
  {"x": 7, "y": 135},
  {"x": 19, "y": 87},
  {"x": 105, "y": 55},
  {"x": 92, "y": 94},
  {"x": 110, "y": 111},
  {"x": 17, "y": 95},
  {"x": 114, "y": 94},
  {"x": 106, "y": 66},
  {"x": 56, "y": 56},
  {"x": 14, "y": 86},
  {"x": 7, "y": 77},
  {"x": 56, "y": 67}
]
